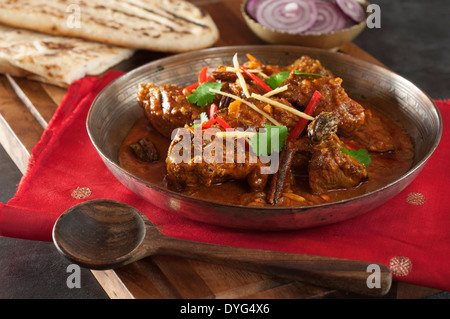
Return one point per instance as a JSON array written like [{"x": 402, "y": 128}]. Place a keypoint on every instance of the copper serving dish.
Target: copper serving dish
[{"x": 115, "y": 110}]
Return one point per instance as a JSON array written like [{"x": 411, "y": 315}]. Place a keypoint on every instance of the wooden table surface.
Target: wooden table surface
[{"x": 27, "y": 106}]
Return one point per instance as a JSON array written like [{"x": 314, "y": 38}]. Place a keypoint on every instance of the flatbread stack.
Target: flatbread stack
[
  {"x": 61, "y": 41},
  {"x": 53, "y": 59}
]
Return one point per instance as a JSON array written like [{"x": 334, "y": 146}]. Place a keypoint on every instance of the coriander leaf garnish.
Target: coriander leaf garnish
[
  {"x": 308, "y": 74},
  {"x": 275, "y": 80},
  {"x": 202, "y": 96},
  {"x": 362, "y": 155},
  {"x": 261, "y": 143}
]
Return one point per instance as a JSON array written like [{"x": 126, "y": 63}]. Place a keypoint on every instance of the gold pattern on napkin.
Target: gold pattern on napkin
[
  {"x": 400, "y": 266},
  {"x": 81, "y": 193},
  {"x": 415, "y": 199}
]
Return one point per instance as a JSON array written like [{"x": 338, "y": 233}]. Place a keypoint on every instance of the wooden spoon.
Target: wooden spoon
[{"x": 105, "y": 234}]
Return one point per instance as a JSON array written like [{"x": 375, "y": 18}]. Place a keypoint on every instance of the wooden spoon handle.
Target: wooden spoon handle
[{"x": 335, "y": 273}]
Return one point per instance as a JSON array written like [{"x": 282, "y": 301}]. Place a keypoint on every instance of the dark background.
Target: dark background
[{"x": 413, "y": 41}]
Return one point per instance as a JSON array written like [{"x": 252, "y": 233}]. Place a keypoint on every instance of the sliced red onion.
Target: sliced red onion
[
  {"x": 252, "y": 6},
  {"x": 292, "y": 16},
  {"x": 352, "y": 9},
  {"x": 329, "y": 18}
]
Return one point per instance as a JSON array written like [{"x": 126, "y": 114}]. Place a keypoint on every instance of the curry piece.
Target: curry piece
[
  {"x": 374, "y": 134},
  {"x": 307, "y": 64},
  {"x": 334, "y": 99},
  {"x": 145, "y": 150},
  {"x": 166, "y": 107},
  {"x": 188, "y": 168},
  {"x": 329, "y": 168}
]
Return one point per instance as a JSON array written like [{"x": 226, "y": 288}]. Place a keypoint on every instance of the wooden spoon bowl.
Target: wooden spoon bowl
[{"x": 98, "y": 233}]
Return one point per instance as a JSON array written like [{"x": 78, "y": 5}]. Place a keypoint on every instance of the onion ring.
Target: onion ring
[
  {"x": 251, "y": 7},
  {"x": 294, "y": 16},
  {"x": 352, "y": 9},
  {"x": 329, "y": 18}
]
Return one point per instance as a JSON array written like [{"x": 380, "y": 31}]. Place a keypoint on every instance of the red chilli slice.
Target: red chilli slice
[
  {"x": 203, "y": 75},
  {"x": 202, "y": 78},
  {"x": 329, "y": 18},
  {"x": 352, "y": 9},
  {"x": 292, "y": 16},
  {"x": 223, "y": 123},
  {"x": 301, "y": 124},
  {"x": 192, "y": 86},
  {"x": 255, "y": 78},
  {"x": 212, "y": 111},
  {"x": 206, "y": 125}
]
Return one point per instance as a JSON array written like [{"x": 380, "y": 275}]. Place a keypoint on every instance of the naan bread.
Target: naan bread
[
  {"x": 55, "y": 59},
  {"x": 157, "y": 25}
]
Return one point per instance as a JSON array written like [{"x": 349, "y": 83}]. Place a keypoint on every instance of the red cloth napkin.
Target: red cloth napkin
[{"x": 410, "y": 233}]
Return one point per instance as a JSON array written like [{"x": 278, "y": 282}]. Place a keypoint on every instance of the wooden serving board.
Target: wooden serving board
[{"x": 27, "y": 106}]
